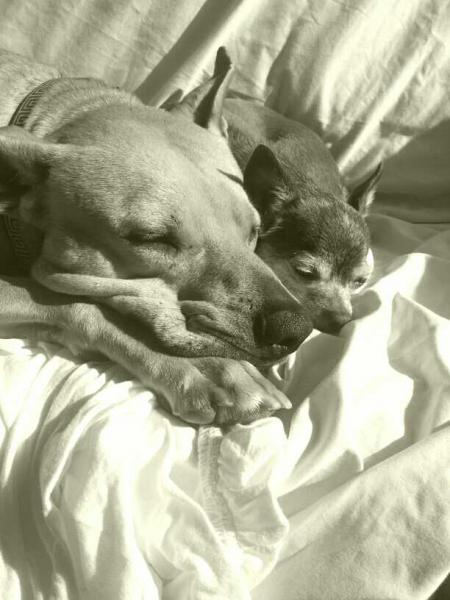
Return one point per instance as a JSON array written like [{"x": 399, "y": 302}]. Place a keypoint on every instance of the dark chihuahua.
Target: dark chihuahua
[{"x": 313, "y": 233}]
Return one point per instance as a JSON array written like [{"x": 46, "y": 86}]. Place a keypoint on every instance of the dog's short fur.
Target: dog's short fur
[
  {"x": 142, "y": 242},
  {"x": 313, "y": 232}
]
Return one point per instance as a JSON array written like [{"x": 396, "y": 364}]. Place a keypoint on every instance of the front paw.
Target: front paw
[
  {"x": 190, "y": 394},
  {"x": 198, "y": 391},
  {"x": 247, "y": 394}
]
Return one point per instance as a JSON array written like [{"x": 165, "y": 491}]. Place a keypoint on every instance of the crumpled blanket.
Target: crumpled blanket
[{"x": 104, "y": 495}]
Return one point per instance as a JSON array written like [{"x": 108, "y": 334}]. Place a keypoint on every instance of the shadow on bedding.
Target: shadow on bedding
[{"x": 416, "y": 181}]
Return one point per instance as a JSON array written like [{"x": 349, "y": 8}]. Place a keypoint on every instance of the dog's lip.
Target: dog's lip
[
  {"x": 267, "y": 355},
  {"x": 264, "y": 355}
]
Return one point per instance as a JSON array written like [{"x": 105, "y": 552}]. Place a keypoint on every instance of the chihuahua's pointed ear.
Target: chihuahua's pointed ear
[
  {"x": 362, "y": 196},
  {"x": 204, "y": 104},
  {"x": 172, "y": 101},
  {"x": 24, "y": 161},
  {"x": 264, "y": 180}
]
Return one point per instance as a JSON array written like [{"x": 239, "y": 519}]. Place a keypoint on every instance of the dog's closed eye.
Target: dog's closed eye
[
  {"x": 308, "y": 273},
  {"x": 309, "y": 267},
  {"x": 148, "y": 238}
]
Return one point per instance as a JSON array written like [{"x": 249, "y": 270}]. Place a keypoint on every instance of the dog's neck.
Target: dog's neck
[
  {"x": 9, "y": 262},
  {"x": 57, "y": 103},
  {"x": 68, "y": 98}
]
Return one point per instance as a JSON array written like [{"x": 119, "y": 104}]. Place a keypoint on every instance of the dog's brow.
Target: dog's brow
[
  {"x": 314, "y": 264},
  {"x": 306, "y": 260},
  {"x": 364, "y": 269},
  {"x": 232, "y": 177}
]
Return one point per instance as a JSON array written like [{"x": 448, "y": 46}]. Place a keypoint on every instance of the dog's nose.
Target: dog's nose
[
  {"x": 331, "y": 321},
  {"x": 282, "y": 320},
  {"x": 282, "y": 328}
]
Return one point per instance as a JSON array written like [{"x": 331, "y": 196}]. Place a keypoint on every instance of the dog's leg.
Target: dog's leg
[
  {"x": 195, "y": 389},
  {"x": 253, "y": 396}
]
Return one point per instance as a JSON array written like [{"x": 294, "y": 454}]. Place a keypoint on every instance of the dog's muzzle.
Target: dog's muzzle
[
  {"x": 272, "y": 335},
  {"x": 284, "y": 329}
]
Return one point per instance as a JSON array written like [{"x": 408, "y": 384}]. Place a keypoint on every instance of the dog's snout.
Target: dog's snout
[
  {"x": 281, "y": 319},
  {"x": 279, "y": 299},
  {"x": 281, "y": 328},
  {"x": 332, "y": 321}
]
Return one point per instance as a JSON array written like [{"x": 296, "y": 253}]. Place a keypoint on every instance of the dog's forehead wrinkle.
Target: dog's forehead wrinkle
[{"x": 238, "y": 180}]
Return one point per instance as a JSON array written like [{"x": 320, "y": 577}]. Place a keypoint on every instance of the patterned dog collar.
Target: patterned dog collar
[{"x": 24, "y": 109}]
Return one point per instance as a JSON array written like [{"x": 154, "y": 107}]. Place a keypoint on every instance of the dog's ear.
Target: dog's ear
[
  {"x": 204, "y": 104},
  {"x": 362, "y": 196},
  {"x": 264, "y": 180},
  {"x": 24, "y": 161},
  {"x": 172, "y": 101}
]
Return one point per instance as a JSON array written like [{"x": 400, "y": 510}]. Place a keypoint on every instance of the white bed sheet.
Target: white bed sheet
[{"x": 105, "y": 496}]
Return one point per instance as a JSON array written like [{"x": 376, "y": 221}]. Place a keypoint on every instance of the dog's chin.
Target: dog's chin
[
  {"x": 221, "y": 344},
  {"x": 260, "y": 357},
  {"x": 332, "y": 328},
  {"x": 209, "y": 345}
]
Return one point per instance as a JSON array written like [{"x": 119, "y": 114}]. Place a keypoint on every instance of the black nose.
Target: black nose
[
  {"x": 283, "y": 328},
  {"x": 330, "y": 321}
]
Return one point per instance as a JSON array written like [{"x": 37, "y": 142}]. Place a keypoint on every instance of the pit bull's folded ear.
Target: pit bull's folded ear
[
  {"x": 264, "y": 181},
  {"x": 362, "y": 196},
  {"x": 204, "y": 104},
  {"x": 24, "y": 161}
]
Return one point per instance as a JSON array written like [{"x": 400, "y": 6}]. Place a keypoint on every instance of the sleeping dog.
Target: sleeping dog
[
  {"x": 127, "y": 231},
  {"x": 313, "y": 233}
]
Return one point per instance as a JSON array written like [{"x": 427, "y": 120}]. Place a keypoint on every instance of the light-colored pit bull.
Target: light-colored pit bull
[{"x": 127, "y": 232}]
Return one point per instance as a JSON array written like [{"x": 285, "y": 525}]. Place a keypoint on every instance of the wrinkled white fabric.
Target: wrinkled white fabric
[
  {"x": 369, "y": 76},
  {"x": 105, "y": 496},
  {"x": 368, "y": 455}
]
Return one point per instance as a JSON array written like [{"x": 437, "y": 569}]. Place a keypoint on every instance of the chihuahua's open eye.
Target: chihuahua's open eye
[{"x": 358, "y": 283}]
